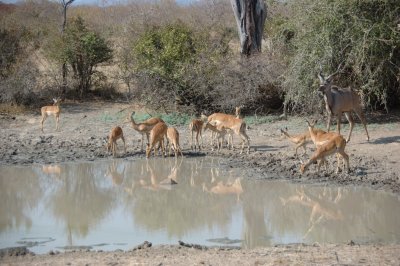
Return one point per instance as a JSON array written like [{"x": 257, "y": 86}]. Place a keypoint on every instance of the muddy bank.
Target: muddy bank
[
  {"x": 84, "y": 132},
  {"x": 351, "y": 254}
]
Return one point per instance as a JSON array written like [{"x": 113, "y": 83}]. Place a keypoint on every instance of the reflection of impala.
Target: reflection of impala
[
  {"x": 321, "y": 208},
  {"x": 116, "y": 176},
  {"x": 225, "y": 189},
  {"x": 51, "y": 169}
]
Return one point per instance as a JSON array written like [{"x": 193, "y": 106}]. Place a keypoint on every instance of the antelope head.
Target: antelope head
[
  {"x": 326, "y": 83},
  {"x": 56, "y": 101}
]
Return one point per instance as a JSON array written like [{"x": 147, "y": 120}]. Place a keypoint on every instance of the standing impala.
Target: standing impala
[
  {"x": 51, "y": 110},
  {"x": 145, "y": 127},
  {"x": 327, "y": 144},
  {"x": 237, "y": 125},
  {"x": 341, "y": 100},
  {"x": 196, "y": 126}
]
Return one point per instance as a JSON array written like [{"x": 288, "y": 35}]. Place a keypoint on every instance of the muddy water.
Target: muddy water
[{"x": 119, "y": 204}]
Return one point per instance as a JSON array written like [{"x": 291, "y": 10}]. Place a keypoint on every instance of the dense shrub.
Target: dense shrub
[{"x": 363, "y": 36}]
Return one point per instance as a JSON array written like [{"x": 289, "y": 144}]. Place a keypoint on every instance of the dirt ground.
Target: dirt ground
[{"x": 82, "y": 135}]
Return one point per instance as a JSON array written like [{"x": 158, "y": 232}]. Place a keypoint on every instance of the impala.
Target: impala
[
  {"x": 173, "y": 138},
  {"x": 300, "y": 140},
  {"x": 157, "y": 135},
  {"x": 237, "y": 125},
  {"x": 341, "y": 100},
  {"x": 116, "y": 133},
  {"x": 145, "y": 127},
  {"x": 327, "y": 144},
  {"x": 52, "y": 110},
  {"x": 220, "y": 132},
  {"x": 196, "y": 126}
]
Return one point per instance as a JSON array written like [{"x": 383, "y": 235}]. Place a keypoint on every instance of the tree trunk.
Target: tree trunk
[
  {"x": 250, "y": 17},
  {"x": 65, "y": 5}
]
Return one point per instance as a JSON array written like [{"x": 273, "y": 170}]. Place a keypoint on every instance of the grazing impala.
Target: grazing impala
[
  {"x": 116, "y": 133},
  {"x": 157, "y": 135},
  {"x": 173, "y": 138},
  {"x": 196, "y": 126},
  {"x": 341, "y": 100},
  {"x": 237, "y": 125},
  {"x": 327, "y": 144},
  {"x": 51, "y": 110},
  {"x": 145, "y": 127},
  {"x": 220, "y": 132}
]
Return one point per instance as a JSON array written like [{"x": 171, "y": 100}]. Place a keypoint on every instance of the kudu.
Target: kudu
[{"x": 341, "y": 100}]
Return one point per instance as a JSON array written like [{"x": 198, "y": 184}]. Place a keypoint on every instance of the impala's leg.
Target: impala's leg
[
  {"x": 301, "y": 144},
  {"x": 114, "y": 147},
  {"x": 245, "y": 139},
  {"x": 57, "y": 121},
  {"x": 351, "y": 122},
  {"x": 346, "y": 159},
  {"x": 123, "y": 139},
  {"x": 201, "y": 139},
  {"x": 362, "y": 118},
  {"x": 230, "y": 140},
  {"x": 44, "y": 116},
  {"x": 197, "y": 139},
  {"x": 338, "y": 163},
  {"x": 141, "y": 149},
  {"x": 163, "y": 147},
  {"x": 191, "y": 144},
  {"x": 304, "y": 147}
]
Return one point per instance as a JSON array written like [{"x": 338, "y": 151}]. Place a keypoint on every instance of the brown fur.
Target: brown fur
[
  {"x": 52, "y": 110},
  {"x": 157, "y": 135},
  {"x": 220, "y": 133},
  {"x": 173, "y": 138},
  {"x": 341, "y": 100},
  {"x": 196, "y": 126},
  {"x": 116, "y": 133},
  {"x": 145, "y": 127},
  {"x": 327, "y": 144},
  {"x": 237, "y": 125}
]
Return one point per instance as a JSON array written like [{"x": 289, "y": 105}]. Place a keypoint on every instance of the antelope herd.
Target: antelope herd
[{"x": 159, "y": 135}]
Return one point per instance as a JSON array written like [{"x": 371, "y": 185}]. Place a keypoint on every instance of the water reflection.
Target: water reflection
[{"x": 163, "y": 200}]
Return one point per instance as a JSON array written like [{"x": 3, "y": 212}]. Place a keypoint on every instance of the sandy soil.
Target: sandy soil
[{"x": 84, "y": 129}]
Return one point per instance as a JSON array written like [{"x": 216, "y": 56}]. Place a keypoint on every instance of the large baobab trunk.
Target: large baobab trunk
[
  {"x": 250, "y": 18},
  {"x": 64, "y": 4}
]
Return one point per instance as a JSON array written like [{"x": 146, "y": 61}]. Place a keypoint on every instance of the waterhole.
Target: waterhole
[{"x": 119, "y": 204}]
